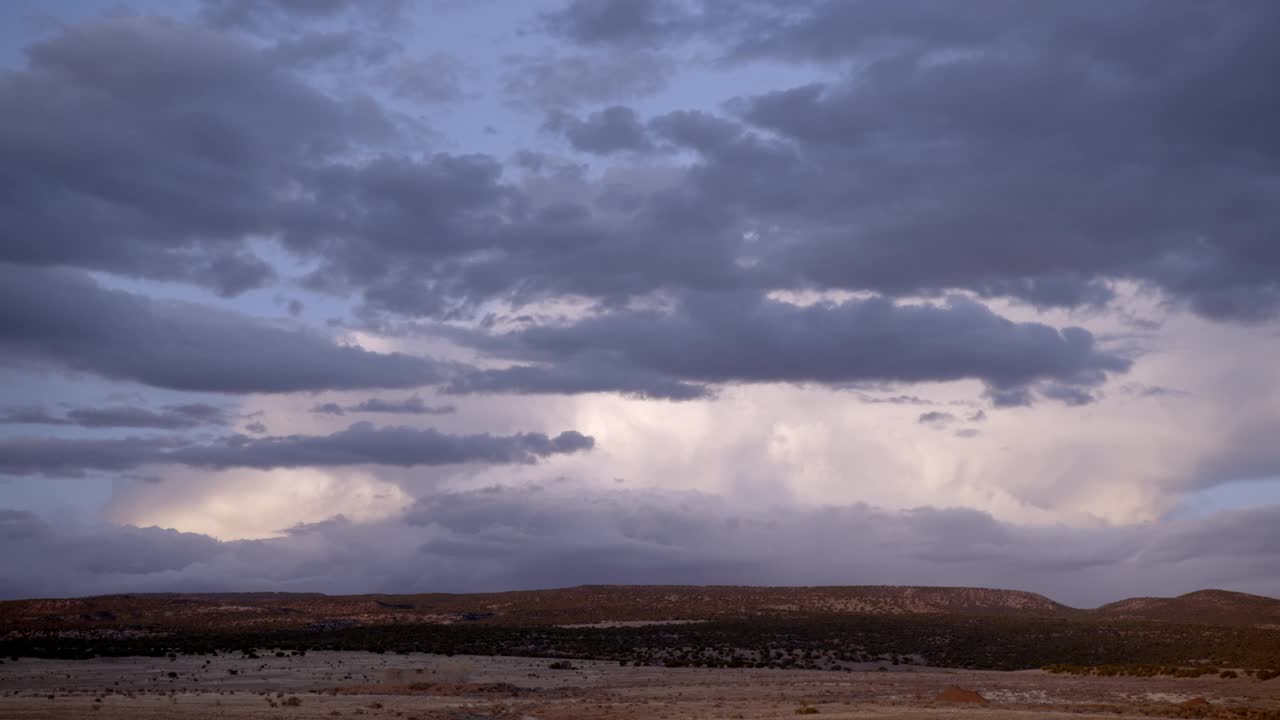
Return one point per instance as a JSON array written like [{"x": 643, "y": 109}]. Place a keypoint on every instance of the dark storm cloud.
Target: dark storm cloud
[
  {"x": 614, "y": 129},
  {"x": 714, "y": 339},
  {"x": 412, "y": 405},
  {"x": 107, "y": 552},
  {"x": 1036, "y": 153},
  {"x": 359, "y": 444},
  {"x": 75, "y": 457},
  {"x": 567, "y": 534},
  {"x": 843, "y": 184},
  {"x": 177, "y": 417},
  {"x": 65, "y": 319},
  {"x": 148, "y": 147}
]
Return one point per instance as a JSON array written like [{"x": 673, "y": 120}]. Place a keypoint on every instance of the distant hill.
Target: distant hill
[
  {"x": 677, "y": 626},
  {"x": 577, "y": 605},
  {"x": 1204, "y": 607},
  {"x": 213, "y": 612}
]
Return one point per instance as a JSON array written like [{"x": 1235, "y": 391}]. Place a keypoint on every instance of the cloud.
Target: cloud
[
  {"x": 616, "y": 22},
  {"x": 1148, "y": 185},
  {"x": 814, "y": 186},
  {"x": 564, "y": 81},
  {"x": 65, "y": 318},
  {"x": 156, "y": 149},
  {"x": 76, "y": 457},
  {"x": 359, "y": 444},
  {"x": 269, "y": 15},
  {"x": 176, "y": 417},
  {"x": 936, "y": 418},
  {"x": 346, "y": 49},
  {"x": 412, "y": 405},
  {"x": 566, "y": 534},
  {"x": 711, "y": 340},
  {"x": 614, "y": 129},
  {"x": 435, "y": 79}
]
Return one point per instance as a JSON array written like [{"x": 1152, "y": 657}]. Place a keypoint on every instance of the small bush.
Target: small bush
[
  {"x": 561, "y": 665},
  {"x": 291, "y": 701},
  {"x": 806, "y": 709},
  {"x": 1228, "y": 675}
]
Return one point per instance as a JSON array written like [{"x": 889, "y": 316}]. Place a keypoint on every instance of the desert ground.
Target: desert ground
[{"x": 375, "y": 686}]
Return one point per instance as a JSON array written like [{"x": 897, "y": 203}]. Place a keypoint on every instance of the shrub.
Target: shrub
[
  {"x": 806, "y": 709},
  {"x": 292, "y": 701}
]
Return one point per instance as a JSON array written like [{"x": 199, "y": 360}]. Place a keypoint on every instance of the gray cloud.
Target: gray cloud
[
  {"x": 1148, "y": 183},
  {"x": 617, "y": 22},
  {"x": 359, "y": 444},
  {"x": 614, "y": 129},
  {"x": 178, "y": 417},
  {"x": 412, "y": 405},
  {"x": 275, "y": 15},
  {"x": 750, "y": 339},
  {"x": 586, "y": 374},
  {"x": 76, "y": 457},
  {"x": 152, "y": 148},
  {"x": 816, "y": 175},
  {"x": 62, "y": 317},
  {"x": 437, "y": 78},
  {"x": 936, "y": 418},
  {"x": 363, "y": 443},
  {"x": 556, "y": 535},
  {"x": 563, "y": 81},
  {"x": 343, "y": 49},
  {"x": 1067, "y": 394}
]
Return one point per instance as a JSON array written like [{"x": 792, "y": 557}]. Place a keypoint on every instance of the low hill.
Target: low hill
[
  {"x": 1203, "y": 607},
  {"x": 603, "y": 604}
]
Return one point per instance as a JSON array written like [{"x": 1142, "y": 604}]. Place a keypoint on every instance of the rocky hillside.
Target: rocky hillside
[
  {"x": 599, "y": 604},
  {"x": 1204, "y": 607}
]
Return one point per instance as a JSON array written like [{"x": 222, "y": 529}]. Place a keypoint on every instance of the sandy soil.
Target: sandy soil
[{"x": 477, "y": 688}]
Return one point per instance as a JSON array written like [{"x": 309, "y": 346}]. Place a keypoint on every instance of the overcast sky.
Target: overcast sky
[{"x": 434, "y": 295}]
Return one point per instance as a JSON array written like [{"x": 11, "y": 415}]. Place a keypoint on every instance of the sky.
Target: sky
[{"x": 432, "y": 295}]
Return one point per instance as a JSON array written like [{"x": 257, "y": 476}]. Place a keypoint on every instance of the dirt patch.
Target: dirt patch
[
  {"x": 955, "y": 694},
  {"x": 1195, "y": 702}
]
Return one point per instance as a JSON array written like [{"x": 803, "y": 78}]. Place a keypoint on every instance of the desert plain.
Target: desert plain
[{"x": 375, "y": 686}]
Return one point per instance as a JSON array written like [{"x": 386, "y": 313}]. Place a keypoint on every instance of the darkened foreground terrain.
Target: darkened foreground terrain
[
  {"x": 432, "y": 687},
  {"x": 834, "y": 629}
]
